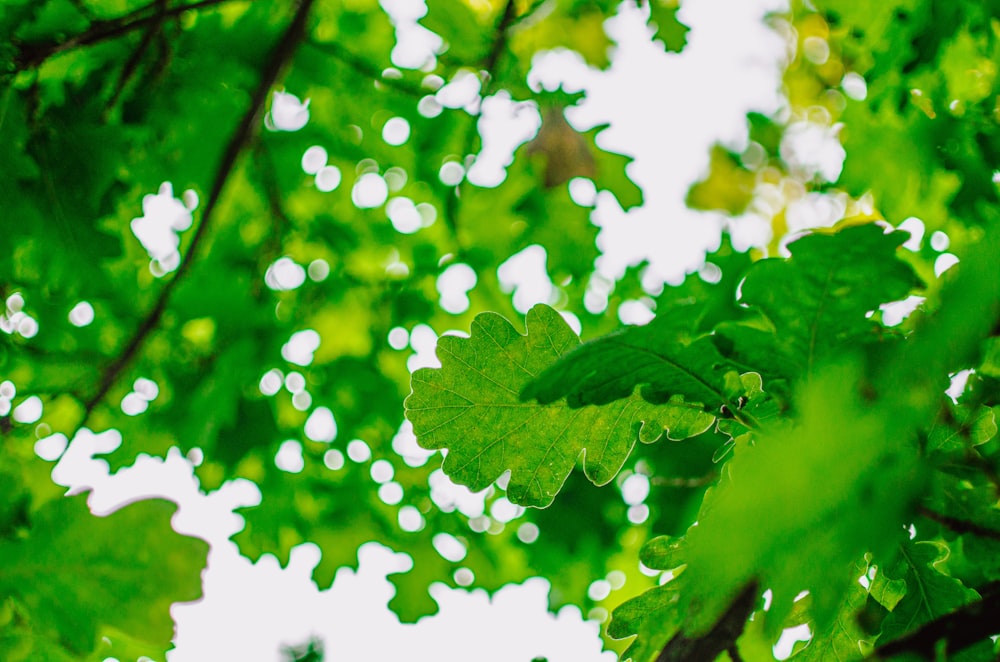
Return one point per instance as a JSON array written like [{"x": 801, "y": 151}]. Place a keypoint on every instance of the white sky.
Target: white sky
[{"x": 666, "y": 110}]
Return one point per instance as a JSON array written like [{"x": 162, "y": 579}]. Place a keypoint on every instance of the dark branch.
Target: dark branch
[
  {"x": 132, "y": 64},
  {"x": 499, "y": 42},
  {"x": 960, "y": 629},
  {"x": 244, "y": 132},
  {"x": 959, "y": 525},
  {"x": 488, "y": 67},
  {"x": 32, "y": 55},
  {"x": 721, "y": 637}
]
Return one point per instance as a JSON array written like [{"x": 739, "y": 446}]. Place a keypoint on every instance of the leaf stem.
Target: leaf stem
[{"x": 244, "y": 132}]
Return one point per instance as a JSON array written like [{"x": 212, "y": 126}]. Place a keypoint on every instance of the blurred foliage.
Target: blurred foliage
[
  {"x": 113, "y": 112},
  {"x": 200, "y": 258}
]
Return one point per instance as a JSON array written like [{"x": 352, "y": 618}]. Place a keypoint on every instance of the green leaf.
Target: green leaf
[
  {"x": 652, "y": 616},
  {"x": 961, "y": 427},
  {"x": 832, "y": 485},
  {"x": 663, "y": 553},
  {"x": 75, "y": 574},
  {"x": 818, "y": 298},
  {"x": 459, "y": 26},
  {"x": 930, "y": 591},
  {"x": 842, "y": 639},
  {"x": 571, "y": 24},
  {"x": 669, "y": 30},
  {"x": 611, "y": 171},
  {"x": 471, "y": 407},
  {"x": 885, "y": 591},
  {"x": 727, "y": 186},
  {"x": 659, "y": 354}
]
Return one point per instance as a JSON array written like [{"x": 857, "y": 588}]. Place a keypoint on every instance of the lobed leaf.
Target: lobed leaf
[
  {"x": 669, "y": 30},
  {"x": 843, "y": 638},
  {"x": 930, "y": 592},
  {"x": 818, "y": 299},
  {"x": 653, "y": 616},
  {"x": 471, "y": 407}
]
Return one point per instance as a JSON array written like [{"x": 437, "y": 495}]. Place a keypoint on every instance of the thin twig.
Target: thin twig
[
  {"x": 31, "y": 55},
  {"x": 132, "y": 64},
  {"x": 244, "y": 132},
  {"x": 366, "y": 68}
]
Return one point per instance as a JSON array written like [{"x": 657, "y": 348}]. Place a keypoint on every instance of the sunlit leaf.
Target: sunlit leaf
[
  {"x": 471, "y": 406},
  {"x": 660, "y": 354}
]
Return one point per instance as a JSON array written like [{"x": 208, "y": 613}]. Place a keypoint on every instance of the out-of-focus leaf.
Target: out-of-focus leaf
[
  {"x": 563, "y": 152},
  {"x": 74, "y": 573},
  {"x": 669, "y": 30},
  {"x": 578, "y": 26},
  {"x": 471, "y": 406},
  {"x": 462, "y": 29},
  {"x": 612, "y": 171},
  {"x": 830, "y": 481},
  {"x": 842, "y": 639},
  {"x": 818, "y": 298},
  {"x": 728, "y": 186}
]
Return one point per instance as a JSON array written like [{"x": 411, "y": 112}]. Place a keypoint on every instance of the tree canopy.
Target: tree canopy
[{"x": 238, "y": 229}]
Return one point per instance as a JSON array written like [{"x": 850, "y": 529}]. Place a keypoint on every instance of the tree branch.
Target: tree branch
[
  {"x": 721, "y": 637},
  {"x": 960, "y": 629},
  {"x": 32, "y": 55},
  {"x": 499, "y": 42},
  {"x": 132, "y": 64},
  {"x": 244, "y": 132},
  {"x": 488, "y": 66},
  {"x": 959, "y": 525}
]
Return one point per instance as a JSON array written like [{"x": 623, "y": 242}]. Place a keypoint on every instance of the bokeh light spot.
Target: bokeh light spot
[
  {"x": 396, "y": 131},
  {"x": 82, "y": 314},
  {"x": 313, "y": 160},
  {"x": 289, "y": 457},
  {"x": 328, "y": 178},
  {"x": 358, "y": 451}
]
